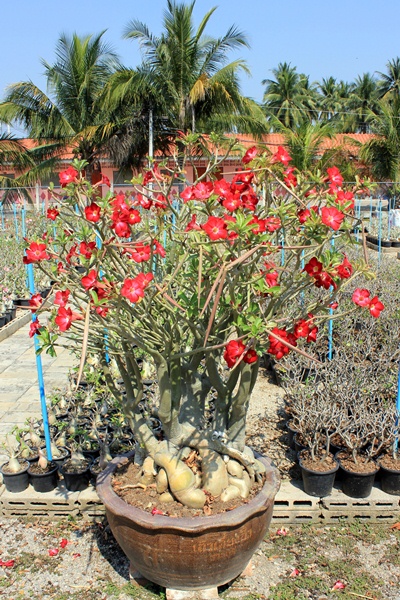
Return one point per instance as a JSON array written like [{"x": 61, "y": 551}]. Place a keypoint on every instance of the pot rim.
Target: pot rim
[
  {"x": 335, "y": 468},
  {"x": 27, "y": 465},
  {"x": 358, "y": 473},
  {"x": 186, "y": 524},
  {"x": 388, "y": 469}
]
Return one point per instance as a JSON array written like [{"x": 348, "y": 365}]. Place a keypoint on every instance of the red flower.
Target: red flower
[
  {"x": 273, "y": 224},
  {"x": 375, "y": 307},
  {"x": 215, "y": 228},
  {"x": 140, "y": 253},
  {"x": 233, "y": 351},
  {"x": 344, "y": 270},
  {"x": 187, "y": 194},
  {"x": 281, "y": 155},
  {"x": 72, "y": 252},
  {"x": 93, "y": 212},
  {"x": 361, "y": 297},
  {"x": 277, "y": 347},
  {"x": 61, "y": 297},
  {"x": 250, "y": 155},
  {"x": 133, "y": 289},
  {"x": 272, "y": 278},
  {"x": 232, "y": 202},
  {"x": 159, "y": 249},
  {"x": 290, "y": 179},
  {"x": 312, "y": 336},
  {"x": 303, "y": 215},
  {"x": 34, "y": 328},
  {"x": 35, "y": 302},
  {"x": 324, "y": 280},
  {"x": 332, "y": 217},
  {"x": 302, "y": 329},
  {"x": 249, "y": 201},
  {"x": 133, "y": 216},
  {"x": 335, "y": 176},
  {"x": 222, "y": 187},
  {"x": 203, "y": 190},
  {"x": 144, "y": 279},
  {"x": 105, "y": 180},
  {"x": 52, "y": 213},
  {"x": 86, "y": 249},
  {"x": 90, "y": 280},
  {"x": 121, "y": 229},
  {"x": 144, "y": 202},
  {"x": 65, "y": 317},
  {"x": 345, "y": 199},
  {"x": 35, "y": 253},
  {"x": 250, "y": 356},
  {"x": 68, "y": 176},
  {"x": 313, "y": 267},
  {"x": 192, "y": 225}
]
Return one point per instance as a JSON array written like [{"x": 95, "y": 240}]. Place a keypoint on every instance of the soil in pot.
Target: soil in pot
[
  {"x": 319, "y": 474},
  {"x": 43, "y": 480},
  {"x": 63, "y": 455},
  {"x": 16, "y": 482},
  {"x": 76, "y": 474},
  {"x": 390, "y": 474},
  {"x": 146, "y": 499},
  {"x": 357, "y": 478}
]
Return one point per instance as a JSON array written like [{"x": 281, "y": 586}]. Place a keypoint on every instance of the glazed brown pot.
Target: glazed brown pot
[{"x": 189, "y": 553}]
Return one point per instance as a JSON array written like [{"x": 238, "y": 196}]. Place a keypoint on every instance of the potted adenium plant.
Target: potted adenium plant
[{"x": 199, "y": 281}]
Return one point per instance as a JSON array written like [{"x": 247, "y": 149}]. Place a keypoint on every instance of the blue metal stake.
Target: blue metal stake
[
  {"x": 39, "y": 367},
  {"x": 16, "y": 222}
]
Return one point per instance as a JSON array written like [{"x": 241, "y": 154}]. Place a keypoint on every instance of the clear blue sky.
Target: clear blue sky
[{"x": 344, "y": 38}]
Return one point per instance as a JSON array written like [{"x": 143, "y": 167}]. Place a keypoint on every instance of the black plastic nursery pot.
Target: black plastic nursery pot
[
  {"x": 44, "y": 482},
  {"x": 2, "y": 320},
  {"x": 357, "y": 485},
  {"x": 76, "y": 481},
  {"x": 16, "y": 482},
  {"x": 390, "y": 480},
  {"x": 317, "y": 483}
]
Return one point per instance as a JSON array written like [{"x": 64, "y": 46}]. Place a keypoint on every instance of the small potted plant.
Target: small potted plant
[{"x": 15, "y": 470}]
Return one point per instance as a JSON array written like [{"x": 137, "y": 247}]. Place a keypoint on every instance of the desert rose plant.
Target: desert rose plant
[{"x": 200, "y": 281}]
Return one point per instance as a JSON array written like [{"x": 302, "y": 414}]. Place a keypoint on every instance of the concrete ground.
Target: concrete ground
[{"x": 19, "y": 389}]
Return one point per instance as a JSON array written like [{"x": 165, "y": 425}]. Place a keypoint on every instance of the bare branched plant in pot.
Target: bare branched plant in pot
[{"x": 191, "y": 280}]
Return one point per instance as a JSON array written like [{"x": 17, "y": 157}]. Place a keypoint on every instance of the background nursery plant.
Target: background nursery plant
[{"x": 198, "y": 283}]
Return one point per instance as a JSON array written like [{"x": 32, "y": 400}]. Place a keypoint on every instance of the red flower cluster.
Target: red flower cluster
[
  {"x": 68, "y": 176},
  {"x": 278, "y": 347},
  {"x": 361, "y": 297},
  {"x": 35, "y": 253},
  {"x": 123, "y": 216},
  {"x": 133, "y": 289},
  {"x": 282, "y": 156},
  {"x": 234, "y": 350}
]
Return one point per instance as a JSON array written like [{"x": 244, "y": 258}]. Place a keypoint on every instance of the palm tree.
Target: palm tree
[
  {"x": 362, "y": 99},
  {"x": 383, "y": 151},
  {"x": 72, "y": 115},
  {"x": 389, "y": 84},
  {"x": 303, "y": 142},
  {"x": 289, "y": 97},
  {"x": 186, "y": 78}
]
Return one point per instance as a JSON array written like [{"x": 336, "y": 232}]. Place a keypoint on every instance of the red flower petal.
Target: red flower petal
[
  {"x": 53, "y": 551},
  {"x": 339, "y": 585},
  {"x": 63, "y": 543}
]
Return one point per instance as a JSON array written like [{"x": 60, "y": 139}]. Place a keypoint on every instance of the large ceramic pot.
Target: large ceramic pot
[{"x": 189, "y": 553}]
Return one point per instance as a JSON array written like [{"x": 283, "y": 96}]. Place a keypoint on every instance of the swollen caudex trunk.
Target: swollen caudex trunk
[
  {"x": 14, "y": 465},
  {"x": 181, "y": 479},
  {"x": 215, "y": 475},
  {"x": 43, "y": 462}
]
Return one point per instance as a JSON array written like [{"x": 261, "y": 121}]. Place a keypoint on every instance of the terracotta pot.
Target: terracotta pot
[{"x": 189, "y": 553}]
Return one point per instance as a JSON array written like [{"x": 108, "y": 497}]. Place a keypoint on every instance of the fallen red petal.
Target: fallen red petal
[
  {"x": 294, "y": 573},
  {"x": 63, "y": 543},
  {"x": 53, "y": 551},
  {"x": 282, "y": 531},
  {"x": 76, "y": 555},
  {"x": 156, "y": 511},
  {"x": 339, "y": 585},
  {"x": 7, "y": 563}
]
